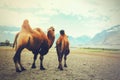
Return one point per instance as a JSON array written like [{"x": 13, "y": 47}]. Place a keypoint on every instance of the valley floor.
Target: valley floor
[{"x": 82, "y": 65}]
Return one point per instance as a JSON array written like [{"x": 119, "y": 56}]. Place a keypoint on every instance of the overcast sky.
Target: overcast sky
[{"x": 76, "y": 17}]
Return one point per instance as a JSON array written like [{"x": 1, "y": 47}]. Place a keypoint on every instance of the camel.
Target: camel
[
  {"x": 34, "y": 40},
  {"x": 62, "y": 48}
]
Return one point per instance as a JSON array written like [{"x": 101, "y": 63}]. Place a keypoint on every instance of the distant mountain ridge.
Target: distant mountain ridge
[
  {"x": 76, "y": 41},
  {"x": 79, "y": 40},
  {"x": 109, "y": 37}
]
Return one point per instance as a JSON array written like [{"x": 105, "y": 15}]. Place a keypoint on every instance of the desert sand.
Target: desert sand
[{"x": 82, "y": 65}]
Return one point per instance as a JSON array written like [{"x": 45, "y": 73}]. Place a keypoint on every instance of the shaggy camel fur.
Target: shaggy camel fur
[
  {"x": 34, "y": 40},
  {"x": 26, "y": 27},
  {"x": 62, "y": 48}
]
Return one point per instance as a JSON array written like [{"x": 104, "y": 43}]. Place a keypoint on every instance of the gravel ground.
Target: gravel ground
[{"x": 82, "y": 65}]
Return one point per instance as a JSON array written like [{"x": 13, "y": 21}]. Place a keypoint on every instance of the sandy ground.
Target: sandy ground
[{"x": 82, "y": 65}]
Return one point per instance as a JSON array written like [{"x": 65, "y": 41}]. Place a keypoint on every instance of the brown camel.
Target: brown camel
[
  {"x": 34, "y": 40},
  {"x": 62, "y": 48}
]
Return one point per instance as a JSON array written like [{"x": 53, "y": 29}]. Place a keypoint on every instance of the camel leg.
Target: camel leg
[
  {"x": 15, "y": 59},
  {"x": 60, "y": 61},
  {"x": 19, "y": 61},
  {"x": 41, "y": 62},
  {"x": 65, "y": 58},
  {"x": 35, "y": 57}
]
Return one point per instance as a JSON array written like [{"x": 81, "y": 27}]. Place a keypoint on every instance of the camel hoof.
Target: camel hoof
[
  {"x": 23, "y": 69},
  {"x": 65, "y": 65},
  {"x": 17, "y": 70},
  {"x": 33, "y": 67},
  {"x": 42, "y": 68},
  {"x": 60, "y": 68}
]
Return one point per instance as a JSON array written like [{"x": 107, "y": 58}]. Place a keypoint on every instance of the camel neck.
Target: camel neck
[{"x": 51, "y": 39}]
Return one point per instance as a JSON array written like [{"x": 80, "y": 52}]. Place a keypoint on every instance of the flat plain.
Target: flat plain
[{"x": 83, "y": 64}]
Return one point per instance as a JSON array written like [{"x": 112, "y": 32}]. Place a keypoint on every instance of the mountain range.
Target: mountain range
[
  {"x": 109, "y": 38},
  {"x": 76, "y": 41}
]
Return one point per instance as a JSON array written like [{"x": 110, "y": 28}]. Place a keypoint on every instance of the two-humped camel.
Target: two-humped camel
[
  {"x": 62, "y": 48},
  {"x": 34, "y": 40}
]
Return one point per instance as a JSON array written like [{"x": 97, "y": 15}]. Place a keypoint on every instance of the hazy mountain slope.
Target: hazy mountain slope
[
  {"x": 76, "y": 41},
  {"x": 108, "y": 37}
]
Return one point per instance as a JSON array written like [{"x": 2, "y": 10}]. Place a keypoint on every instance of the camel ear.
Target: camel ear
[{"x": 51, "y": 28}]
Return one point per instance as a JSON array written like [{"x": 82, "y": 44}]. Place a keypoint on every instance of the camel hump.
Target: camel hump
[
  {"x": 62, "y": 43},
  {"x": 38, "y": 29},
  {"x": 65, "y": 43},
  {"x": 26, "y": 26}
]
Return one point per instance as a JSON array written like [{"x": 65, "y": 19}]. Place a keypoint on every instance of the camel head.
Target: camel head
[
  {"x": 62, "y": 32},
  {"x": 51, "y": 35}
]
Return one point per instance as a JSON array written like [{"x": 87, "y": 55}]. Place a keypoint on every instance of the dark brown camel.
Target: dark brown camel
[
  {"x": 62, "y": 48},
  {"x": 34, "y": 40}
]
